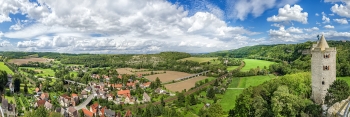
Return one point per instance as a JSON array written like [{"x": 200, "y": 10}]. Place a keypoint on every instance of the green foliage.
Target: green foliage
[
  {"x": 39, "y": 112},
  {"x": 285, "y": 96},
  {"x": 5, "y": 68},
  {"x": 3, "y": 80},
  {"x": 338, "y": 91},
  {"x": 211, "y": 93},
  {"x": 17, "y": 84}
]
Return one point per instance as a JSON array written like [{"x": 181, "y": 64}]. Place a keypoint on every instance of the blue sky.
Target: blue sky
[{"x": 151, "y": 26}]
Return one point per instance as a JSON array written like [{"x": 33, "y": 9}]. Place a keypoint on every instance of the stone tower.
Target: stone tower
[{"x": 323, "y": 69}]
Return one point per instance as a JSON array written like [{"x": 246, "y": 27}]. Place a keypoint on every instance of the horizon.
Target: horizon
[{"x": 147, "y": 27}]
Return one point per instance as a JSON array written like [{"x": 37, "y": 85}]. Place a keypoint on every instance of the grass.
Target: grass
[
  {"x": 199, "y": 59},
  {"x": 45, "y": 72},
  {"x": 246, "y": 82},
  {"x": 254, "y": 63},
  {"x": 229, "y": 99},
  {"x": 230, "y": 68},
  {"x": 209, "y": 79},
  {"x": 75, "y": 73},
  {"x": 4, "y": 67},
  {"x": 234, "y": 83},
  {"x": 347, "y": 79},
  {"x": 10, "y": 98}
]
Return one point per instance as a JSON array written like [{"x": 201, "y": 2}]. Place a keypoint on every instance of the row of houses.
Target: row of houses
[
  {"x": 95, "y": 110},
  {"x": 7, "y": 108}
]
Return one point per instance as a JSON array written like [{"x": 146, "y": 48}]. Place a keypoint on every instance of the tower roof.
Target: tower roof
[{"x": 322, "y": 43}]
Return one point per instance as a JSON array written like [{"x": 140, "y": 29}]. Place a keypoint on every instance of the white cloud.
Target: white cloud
[
  {"x": 341, "y": 21},
  {"x": 311, "y": 29},
  {"x": 341, "y": 10},
  {"x": 239, "y": 9},
  {"x": 331, "y": 14},
  {"x": 276, "y": 25},
  {"x": 288, "y": 13},
  {"x": 325, "y": 19},
  {"x": 294, "y": 30},
  {"x": 329, "y": 26},
  {"x": 317, "y": 14}
]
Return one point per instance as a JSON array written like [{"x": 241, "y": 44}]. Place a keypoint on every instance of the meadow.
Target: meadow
[
  {"x": 237, "y": 86},
  {"x": 42, "y": 72},
  {"x": 347, "y": 79},
  {"x": 230, "y": 68},
  {"x": 199, "y": 59},
  {"x": 4, "y": 67},
  {"x": 254, "y": 63}
]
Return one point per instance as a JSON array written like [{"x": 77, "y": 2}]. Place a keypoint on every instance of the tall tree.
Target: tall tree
[
  {"x": 158, "y": 82},
  {"x": 3, "y": 80},
  {"x": 25, "y": 89},
  {"x": 338, "y": 91},
  {"x": 211, "y": 93},
  {"x": 181, "y": 99},
  {"x": 17, "y": 84}
]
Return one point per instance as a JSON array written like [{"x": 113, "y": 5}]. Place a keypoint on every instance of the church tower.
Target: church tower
[{"x": 323, "y": 69}]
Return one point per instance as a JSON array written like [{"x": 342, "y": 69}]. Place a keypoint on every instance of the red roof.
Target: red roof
[
  {"x": 147, "y": 83},
  {"x": 130, "y": 84},
  {"x": 87, "y": 112},
  {"x": 128, "y": 113},
  {"x": 123, "y": 92},
  {"x": 74, "y": 95},
  {"x": 94, "y": 107},
  {"x": 103, "y": 111},
  {"x": 41, "y": 102}
]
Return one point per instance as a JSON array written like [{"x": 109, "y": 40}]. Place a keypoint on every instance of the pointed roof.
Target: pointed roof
[{"x": 322, "y": 43}]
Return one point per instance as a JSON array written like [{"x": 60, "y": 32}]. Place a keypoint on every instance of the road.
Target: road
[{"x": 86, "y": 102}]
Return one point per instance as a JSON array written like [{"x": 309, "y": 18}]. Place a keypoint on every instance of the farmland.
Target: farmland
[
  {"x": 25, "y": 61},
  {"x": 253, "y": 63},
  {"x": 186, "y": 84},
  {"x": 125, "y": 70},
  {"x": 4, "y": 67},
  {"x": 168, "y": 76},
  {"x": 199, "y": 59}
]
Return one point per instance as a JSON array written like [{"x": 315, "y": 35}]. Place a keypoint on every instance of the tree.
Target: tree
[
  {"x": 193, "y": 100},
  {"x": 215, "y": 110},
  {"x": 17, "y": 84},
  {"x": 181, "y": 99},
  {"x": 338, "y": 91},
  {"x": 211, "y": 93},
  {"x": 3, "y": 80},
  {"x": 162, "y": 101},
  {"x": 216, "y": 83},
  {"x": 25, "y": 89},
  {"x": 158, "y": 82},
  {"x": 39, "y": 112},
  {"x": 56, "y": 114}
]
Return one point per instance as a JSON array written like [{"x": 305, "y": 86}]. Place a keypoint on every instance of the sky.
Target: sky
[{"x": 152, "y": 26}]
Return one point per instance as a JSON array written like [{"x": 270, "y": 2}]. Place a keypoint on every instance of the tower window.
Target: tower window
[
  {"x": 325, "y": 67},
  {"x": 322, "y": 82},
  {"x": 326, "y": 56}
]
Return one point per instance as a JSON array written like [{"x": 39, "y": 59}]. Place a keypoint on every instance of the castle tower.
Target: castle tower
[{"x": 323, "y": 69}]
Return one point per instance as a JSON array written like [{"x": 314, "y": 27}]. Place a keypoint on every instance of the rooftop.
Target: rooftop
[{"x": 322, "y": 43}]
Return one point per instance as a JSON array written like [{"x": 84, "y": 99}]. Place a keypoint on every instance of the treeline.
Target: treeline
[
  {"x": 290, "y": 57},
  {"x": 285, "y": 96}
]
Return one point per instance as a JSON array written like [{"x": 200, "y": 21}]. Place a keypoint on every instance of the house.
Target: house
[
  {"x": 12, "y": 88},
  {"x": 117, "y": 86},
  {"x": 145, "y": 85},
  {"x": 48, "y": 105},
  {"x": 39, "y": 103},
  {"x": 44, "y": 96},
  {"x": 88, "y": 88},
  {"x": 101, "y": 113},
  {"x": 9, "y": 109},
  {"x": 125, "y": 93},
  {"x": 64, "y": 100},
  {"x": 160, "y": 91},
  {"x": 74, "y": 99},
  {"x": 62, "y": 111},
  {"x": 72, "y": 112},
  {"x": 109, "y": 97},
  {"x": 109, "y": 113},
  {"x": 94, "y": 108},
  {"x": 130, "y": 84},
  {"x": 146, "y": 97},
  {"x": 129, "y": 99},
  {"x": 128, "y": 114},
  {"x": 9, "y": 78},
  {"x": 87, "y": 113},
  {"x": 84, "y": 94}
]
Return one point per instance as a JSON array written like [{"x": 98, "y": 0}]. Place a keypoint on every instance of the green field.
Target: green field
[
  {"x": 199, "y": 59},
  {"x": 347, "y": 79},
  {"x": 4, "y": 67},
  {"x": 229, "y": 98},
  {"x": 45, "y": 72},
  {"x": 209, "y": 79},
  {"x": 230, "y": 68},
  {"x": 254, "y": 63}
]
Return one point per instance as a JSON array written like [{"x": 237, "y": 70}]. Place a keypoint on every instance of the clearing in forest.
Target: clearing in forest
[
  {"x": 186, "y": 84},
  {"x": 199, "y": 59},
  {"x": 4, "y": 67},
  {"x": 25, "y": 61},
  {"x": 254, "y": 63},
  {"x": 168, "y": 76}
]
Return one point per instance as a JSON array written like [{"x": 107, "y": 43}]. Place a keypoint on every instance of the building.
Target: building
[
  {"x": 87, "y": 113},
  {"x": 109, "y": 113},
  {"x": 146, "y": 97},
  {"x": 323, "y": 69},
  {"x": 9, "y": 109},
  {"x": 72, "y": 112}
]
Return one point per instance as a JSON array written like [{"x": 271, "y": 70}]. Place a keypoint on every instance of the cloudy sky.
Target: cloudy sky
[{"x": 150, "y": 26}]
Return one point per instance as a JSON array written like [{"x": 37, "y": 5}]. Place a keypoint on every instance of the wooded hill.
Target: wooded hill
[{"x": 290, "y": 56}]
